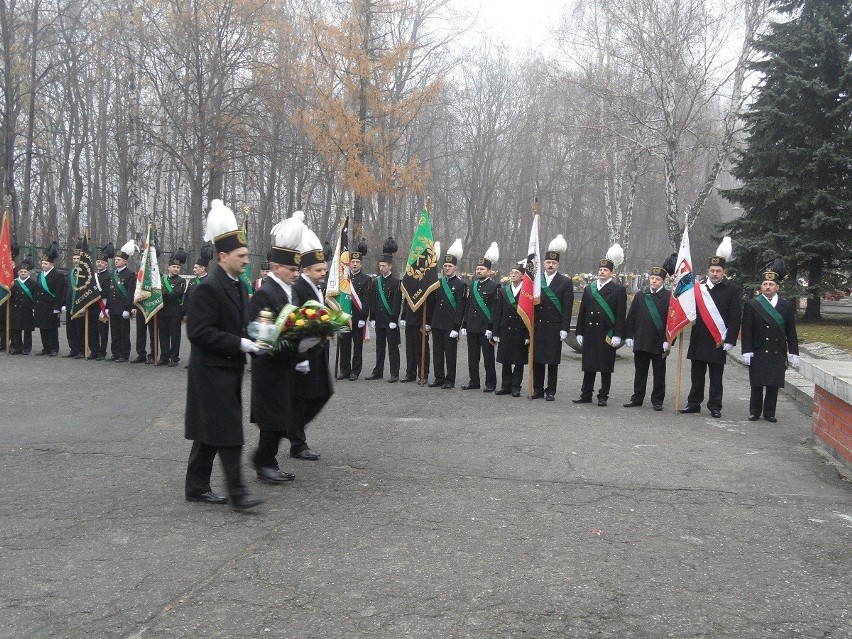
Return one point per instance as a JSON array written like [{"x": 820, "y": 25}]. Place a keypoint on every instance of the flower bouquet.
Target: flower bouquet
[{"x": 297, "y": 323}]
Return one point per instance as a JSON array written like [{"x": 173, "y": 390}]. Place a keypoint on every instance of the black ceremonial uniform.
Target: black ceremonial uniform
[
  {"x": 352, "y": 344},
  {"x": 387, "y": 338},
  {"x": 120, "y": 301},
  {"x": 49, "y": 296},
  {"x": 99, "y": 318},
  {"x": 594, "y": 324},
  {"x": 648, "y": 343},
  {"x": 414, "y": 339},
  {"x": 447, "y": 317},
  {"x": 169, "y": 324},
  {"x": 21, "y": 322},
  {"x": 477, "y": 320},
  {"x": 770, "y": 344},
  {"x": 75, "y": 328},
  {"x": 190, "y": 286},
  {"x": 513, "y": 348},
  {"x": 551, "y": 318}
]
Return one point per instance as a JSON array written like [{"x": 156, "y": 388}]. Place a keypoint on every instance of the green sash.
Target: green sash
[
  {"x": 72, "y": 275},
  {"x": 167, "y": 284},
  {"x": 121, "y": 287},
  {"x": 551, "y": 294},
  {"x": 44, "y": 285},
  {"x": 24, "y": 288},
  {"x": 511, "y": 295},
  {"x": 480, "y": 301},
  {"x": 448, "y": 291},
  {"x": 602, "y": 303},
  {"x": 381, "y": 287},
  {"x": 655, "y": 315},
  {"x": 772, "y": 313}
]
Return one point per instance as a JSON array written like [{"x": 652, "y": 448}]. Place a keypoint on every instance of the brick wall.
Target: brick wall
[{"x": 833, "y": 424}]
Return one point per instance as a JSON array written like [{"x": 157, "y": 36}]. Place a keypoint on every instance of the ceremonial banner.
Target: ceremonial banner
[
  {"x": 422, "y": 270},
  {"x": 530, "y": 294},
  {"x": 7, "y": 266},
  {"x": 246, "y": 275},
  {"x": 149, "y": 285},
  {"x": 86, "y": 290},
  {"x": 339, "y": 283},
  {"x": 682, "y": 305}
]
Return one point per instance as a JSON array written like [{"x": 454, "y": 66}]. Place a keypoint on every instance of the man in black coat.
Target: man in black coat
[
  {"x": 49, "y": 297},
  {"x": 385, "y": 308},
  {"x": 21, "y": 323},
  {"x": 412, "y": 322},
  {"x": 600, "y": 331},
  {"x": 769, "y": 340},
  {"x": 99, "y": 312},
  {"x": 511, "y": 335},
  {"x": 352, "y": 343},
  {"x": 552, "y": 321},
  {"x": 171, "y": 314},
  {"x": 646, "y": 334},
  {"x": 705, "y": 354},
  {"x": 446, "y": 318},
  {"x": 477, "y": 323},
  {"x": 75, "y": 328},
  {"x": 120, "y": 305},
  {"x": 216, "y": 328}
]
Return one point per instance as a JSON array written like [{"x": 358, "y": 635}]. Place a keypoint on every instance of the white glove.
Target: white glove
[
  {"x": 563, "y": 335},
  {"x": 666, "y": 347},
  {"x": 304, "y": 367},
  {"x": 246, "y": 345},
  {"x": 392, "y": 325},
  {"x": 401, "y": 324},
  {"x": 527, "y": 342},
  {"x": 747, "y": 358},
  {"x": 464, "y": 332},
  {"x": 728, "y": 348},
  {"x": 616, "y": 342},
  {"x": 496, "y": 339},
  {"x": 454, "y": 334},
  {"x": 372, "y": 323},
  {"x": 580, "y": 340},
  {"x": 629, "y": 342},
  {"x": 64, "y": 309},
  {"x": 57, "y": 312},
  {"x": 428, "y": 328},
  {"x": 361, "y": 323},
  {"x": 488, "y": 334},
  {"x": 126, "y": 315},
  {"x": 307, "y": 344},
  {"x": 794, "y": 360}
]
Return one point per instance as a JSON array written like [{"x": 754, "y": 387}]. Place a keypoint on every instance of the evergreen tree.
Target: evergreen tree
[{"x": 796, "y": 171}]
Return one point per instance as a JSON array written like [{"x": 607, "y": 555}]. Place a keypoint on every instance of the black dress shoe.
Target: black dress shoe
[
  {"x": 100, "y": 358},
  {"x": 537, "y": 395},
  {"x": 172, "y": 364},
  {"x": 658, "y": 407},
  {"x": 120, "y": 360},
  {"x": 71, "y": 354},
  {"x": 470, "y": 386},
  {"x": 582, "y": 400},
  {"x": 92, "y": 356},
  {"x": 601, "y": 402},
  {"x": 632, "y": 404},
  {"x": 138, "y": 360},
  {"x": 208, "y": 498},
  {"x": 374, "y": 376},
  {"x": 715, "y": 413},
  {"x": 243, "y": 502},
  {"x": 14, "y": 351},
  {"x": 163, "y": 362},
  {"x": 488, "y": 389},
  {"x": 502, "y": 391},
  {"x": 273, "y": 475},
  {"x": 306, "y": 454},
  {"x": 771, "y": 420},
  {"x": 550, "y": 397},
  {"x": 752, "y": 418},
  {"x": 342, "y": 376},
  {"x": 516, "y": 393},
  {"x": 43, "y": 352},
  {"x": 79, "y": 356},
  {"x": 436, "y": 384},
  {"x": 447, "y": 385},
  {"x": 353, "y": 377},
  {"x": 405, "y": 380},
  {"x": 53, "y": 353},
  {"x": 690, "y": 409},
  {"x": 393, "y": 380}
]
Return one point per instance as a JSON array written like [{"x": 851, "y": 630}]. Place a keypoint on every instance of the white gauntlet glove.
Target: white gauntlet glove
[
  {"x": 488, "y": 335},
  {"x": 428, "y": 328},
  {"x": 304, "y": 367},
  {"x": 392, "y": 325},
  {"x": 496, "y": 339},
  {"x": 126, "y": 315},
  {"x": 527, "y": 342},
  {"x": 580, "y": 340},
  {"x": 616, "y": 342},
  {"x": 307, "y": 344},
  {"x": 666, "y": 347},
  {"x": 361, "y": 323},
  {"x": 454, "y": 334},
  {"x": 794, "y": 360},
  {"x": 464, "y": 332},
  {"x": 401, "y": 324},
  {"x": 63, "y": 309},
  {"x": 246, "y": 345},
  {"x": 372, "y": 323},
  {"x": 728, "y": 348},
  {"x": 563, "y": 335},
  {"x": 747, "y": 358},
  {"x": 629, "y": 342}
]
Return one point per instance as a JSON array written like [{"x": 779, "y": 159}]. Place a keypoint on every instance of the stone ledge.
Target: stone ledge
[{"x": 835, "y": 377}]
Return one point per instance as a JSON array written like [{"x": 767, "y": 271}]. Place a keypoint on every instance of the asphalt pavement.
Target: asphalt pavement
[{"x": 432, "y": 513}]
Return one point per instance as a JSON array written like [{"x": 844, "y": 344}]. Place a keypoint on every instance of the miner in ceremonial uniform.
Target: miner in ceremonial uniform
[
  {"x": 601, "y": 327},
  {"x": 171, "y": 314},
  {"x": 264, "y": 272},
  {"x": 705, "y": 352},
  {"x": 98, "y": 312},
  {"x": 314, "y": 385},
  {"x": 120, "y": 302},
  {"x": 769, "y": 340},
  {"x": 352, "y": 343},
  {"x": 75, "y": 328},
  {"x": 552, "y": 321},
  {"x": 199, "y": 270},
  {"x": 646, "y": 334},
  {"x": 49, "y": 297},
  {"x": 385, "y": 308},
  {"x": 511, "y": 334},
  {"x": 21, "y": 319},
  {"x": 412, "y": 322},
  {"x": 216, "y": 328},
  {"x": 478, "y": 320},
  {"x": 273, "y": 373},
  {"x": 446, "y": 320}
]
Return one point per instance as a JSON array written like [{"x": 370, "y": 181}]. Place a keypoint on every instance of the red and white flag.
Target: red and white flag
[
  {"x": 531, "y": 286},
  {"x": 682, "y": 311}
]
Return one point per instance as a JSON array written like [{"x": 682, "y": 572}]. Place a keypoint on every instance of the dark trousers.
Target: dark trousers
[
  {"x": 120, "y": 329},
  {"x": 414, "y": 352},
  {"x": 200, "y": 466},
  {"x": 75, "y": 331},
  {"x": 476, "y": 344},
  {"x": 49, "y": 339},
  {"x": 169, "y": 329},
  {"x": 98, "y": 333},
  {"x": 757, "y": 404},
  {"x": 22, "y": 341},
  {"x": 538, "y": 377},
  {"x": 144, "y": 333},
  {"x": 387, "y": 339},
  {"x": 351, "y": 351},
  {"x": 642, "y": 360},
  {"x": 267, "y": 449},
  {"x": 446, "y": 352},
  {"x": 512, "y": 377},
  {"x": 696, "y": 392},
  {"x": 589, "y": 385}
]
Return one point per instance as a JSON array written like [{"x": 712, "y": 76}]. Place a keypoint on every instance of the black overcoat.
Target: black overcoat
[
  {"x": 475, "y": 319},
  {"x": 594, "y": 324},
  {"x": 117, "y": 302},
  {"x": 393, "y": 293},
  {"x": 361, "y": 284},
  {"x": 640, "y": 325},
  {"x": 173, "y": 300},
  {"x": 728, "y": 297},
  {"x": 549, "y": 320},
  {"x": 313, "y": 389},
  {"x": 217, "y": 319},
  {"x": 445, "y": 316},
  {"x": 510, "y": 328},
  {"x": 21, "y": 311},
  {"x": 770, "y": 345},
  {"x": 46, "y": 303}
]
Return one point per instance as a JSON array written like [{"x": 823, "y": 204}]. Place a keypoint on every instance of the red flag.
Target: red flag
[
  {"x": 7, "y": 266},
  {"x": 531, "y": 284}
]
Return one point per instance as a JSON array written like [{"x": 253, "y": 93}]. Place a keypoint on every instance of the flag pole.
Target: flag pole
[
  {"x": 8, "y": 323},
  {"x": 423, "y": 322},
  {"x": 86, "y": 334},
  {"x": 155, "y": 347},
  {"x": 532, "y": 323},
  {"x": 679, "y": 371}
]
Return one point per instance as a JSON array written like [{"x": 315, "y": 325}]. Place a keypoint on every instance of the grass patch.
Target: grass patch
[{"x": 831, "y": 329}]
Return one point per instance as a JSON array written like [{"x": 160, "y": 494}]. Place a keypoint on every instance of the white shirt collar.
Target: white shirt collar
[
  {"x": 549, "y": 278},
  {"x": 604, "y": 283},
  {"x": 287, "y": 288},
  {"x": 772, "y": 300},
  {"x": 517, "y": 287},
  {"x": 318, "y": 293}
]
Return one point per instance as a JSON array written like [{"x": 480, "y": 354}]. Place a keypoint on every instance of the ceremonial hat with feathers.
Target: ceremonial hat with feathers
[
  {"x": 311, "y": 248},
  {"x": 557, "y": 246},
  {"x": 360, "y": 250},
  {"x": 454, "y": 253},
  {"x": 614, "y": 257},
  {"x": 491, "y": 256},
  {"x": 128, "y": 250},
  {"x": 287, "y": 240},
  {"x": 667, "y": 268},
  {"x": 388, "y": 249},
  {"x": 723, "y": 253},
  {"x": 222, "y": 228}
]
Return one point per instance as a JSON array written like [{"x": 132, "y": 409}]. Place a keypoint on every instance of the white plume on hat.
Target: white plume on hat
[
  {"x": 725, "y": 249},
  {"x": 220, "y": 220},
  {"x": 615, "y": 254},
  {"x": 456, "y": 249},
  {"x": 309, "y": 241},
  {"x": 288, "y": 233},
  {"x": 558, "y": 244},
  {"x": 438, "y": 249},
  {"x": 493, "y": 253},
  {"x": 130, "y": 248}
]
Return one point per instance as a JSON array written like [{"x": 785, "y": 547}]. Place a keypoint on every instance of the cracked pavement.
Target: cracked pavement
[{"x": 432, "y": 513}]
